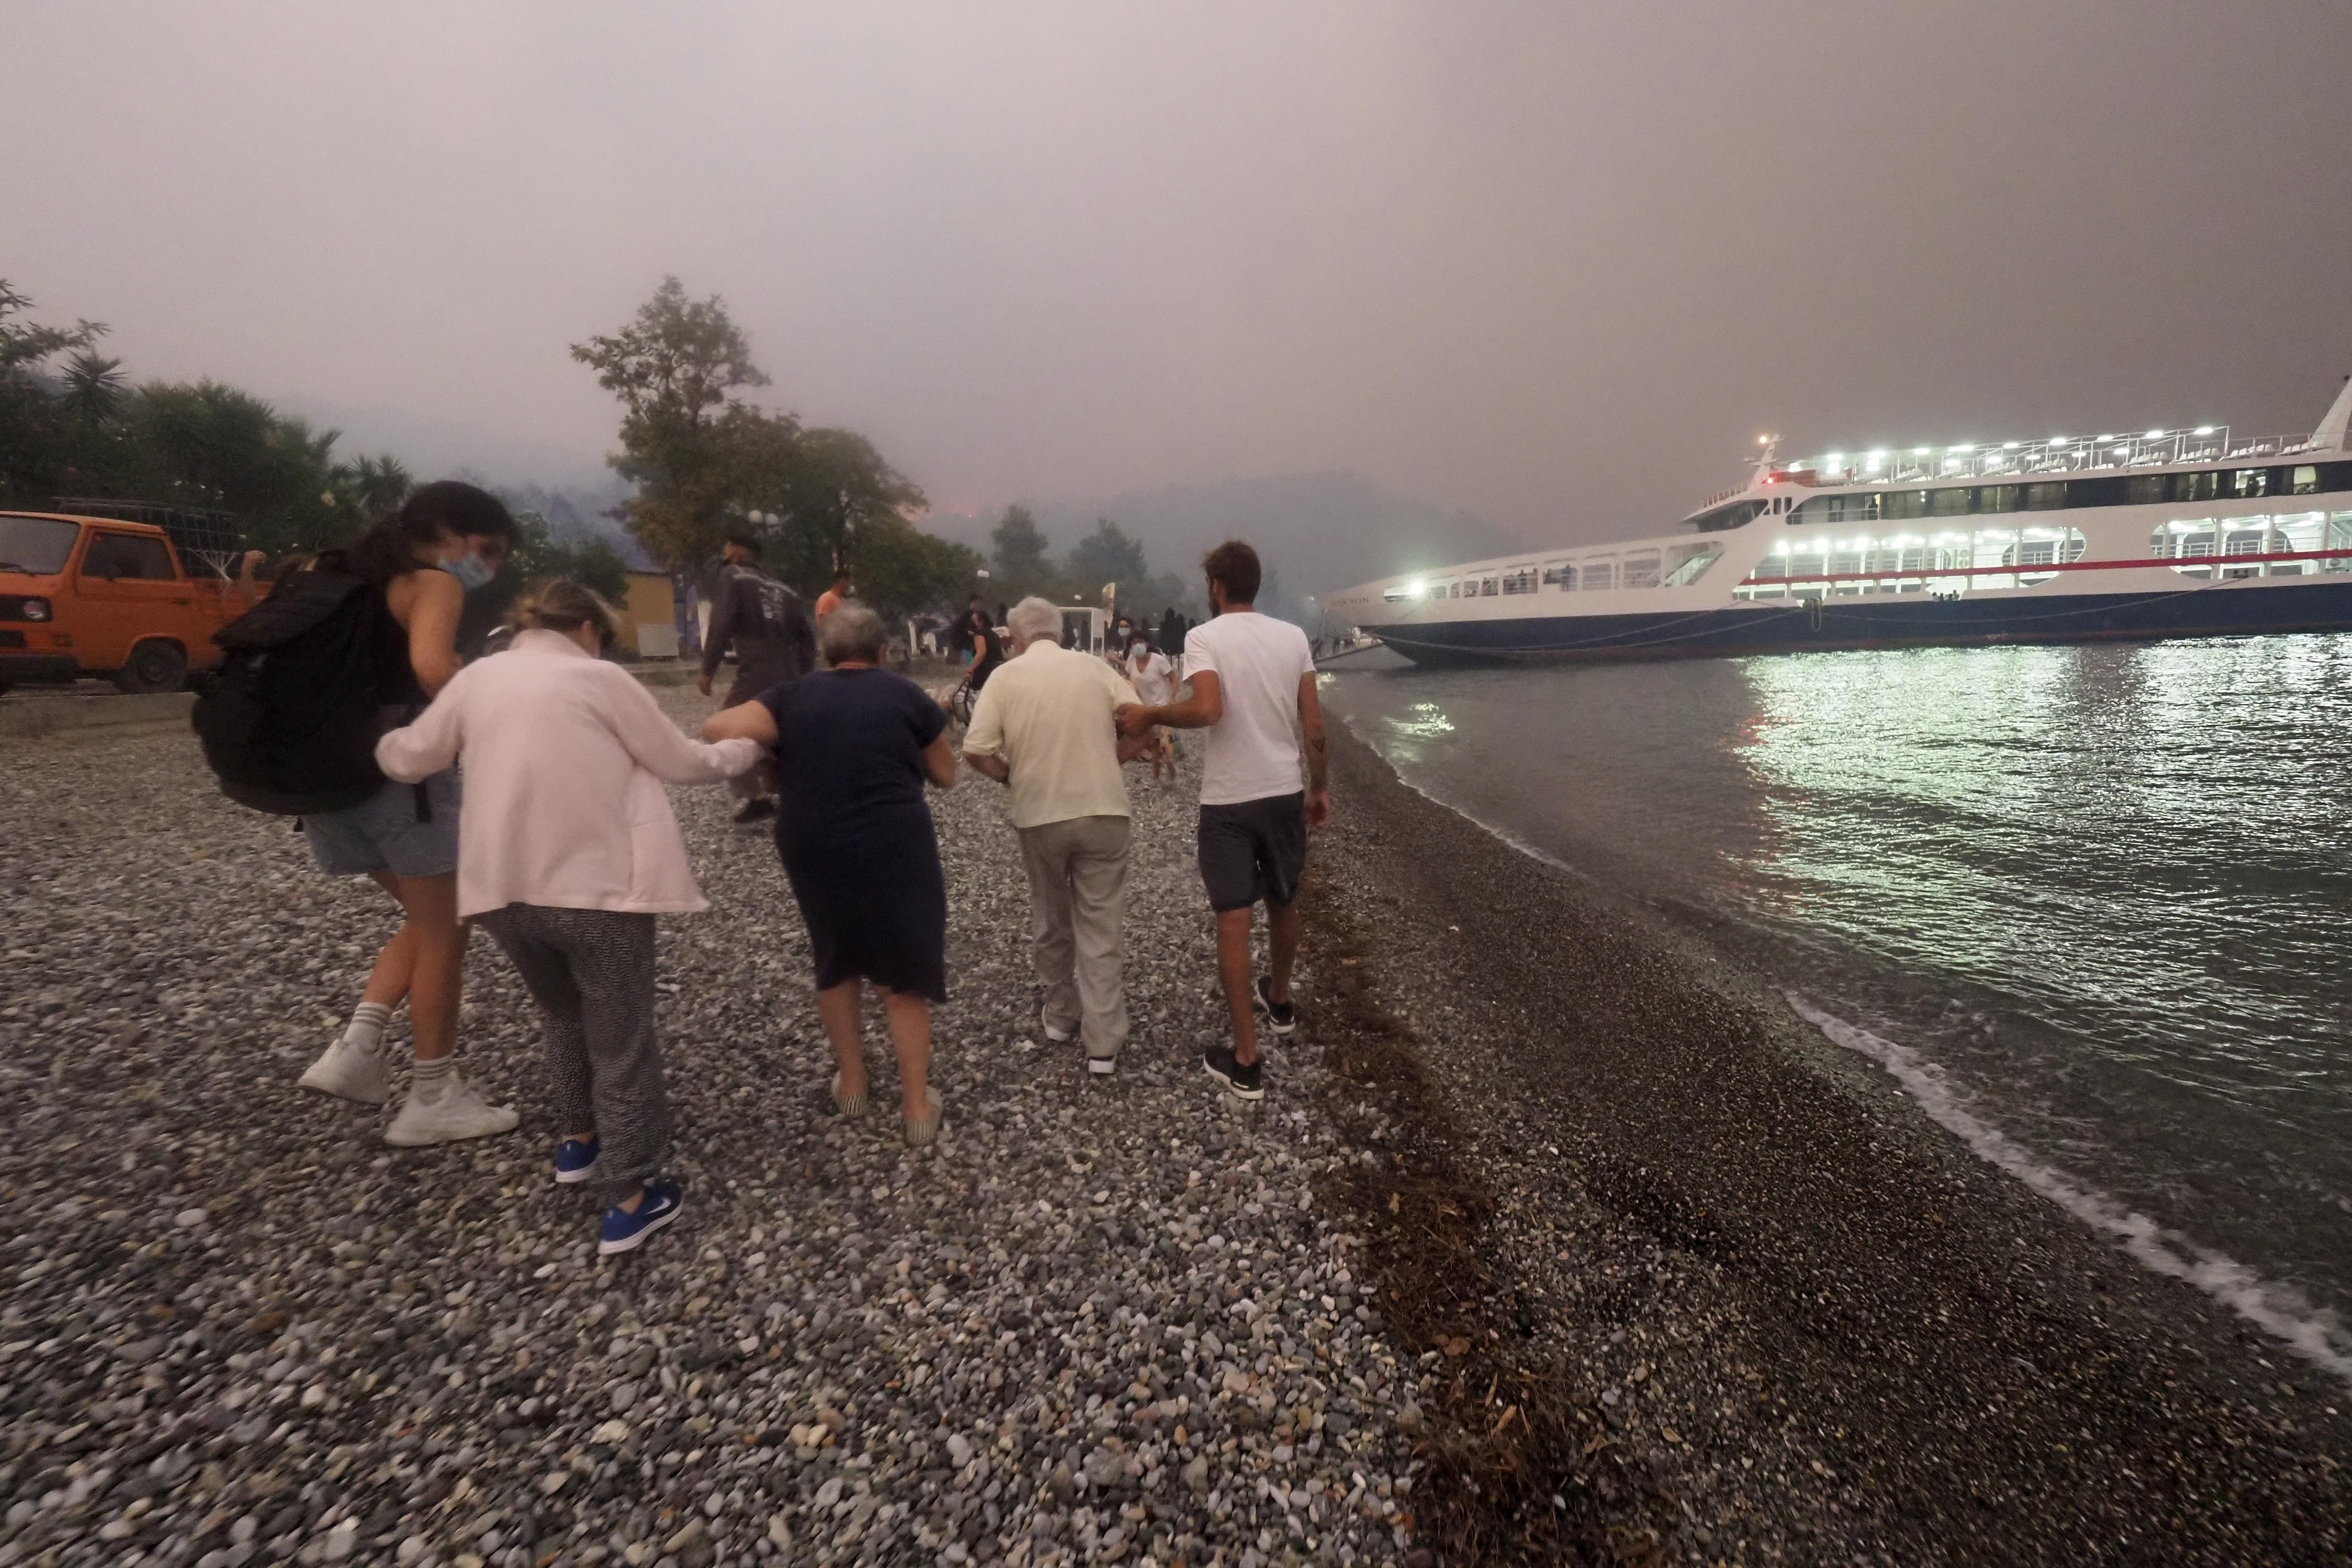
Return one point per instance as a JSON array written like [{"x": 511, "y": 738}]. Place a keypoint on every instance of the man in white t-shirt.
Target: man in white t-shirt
[{"x": 1253, "y": 680}]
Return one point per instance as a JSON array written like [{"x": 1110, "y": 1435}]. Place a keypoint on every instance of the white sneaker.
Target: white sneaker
[
  {"x": 456, "y": 1114},
  {"x": 344, "y": 1069},
  {"x": 1060, "y": 1036},
  {"x": 1102, "y": 1067}
]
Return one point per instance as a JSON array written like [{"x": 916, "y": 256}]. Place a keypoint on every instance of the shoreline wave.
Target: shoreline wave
[{"x": 2278, "y": 1309}]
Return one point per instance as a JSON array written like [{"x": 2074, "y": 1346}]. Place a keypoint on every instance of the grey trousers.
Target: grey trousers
[
  {"x": 592, "y": 973},
  {"x": 1077, "y": 908}
]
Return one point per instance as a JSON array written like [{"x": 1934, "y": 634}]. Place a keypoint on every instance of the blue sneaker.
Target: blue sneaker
[
  {"x": 575, "y": 1159},
  {"x": 624, "y": 1231}
]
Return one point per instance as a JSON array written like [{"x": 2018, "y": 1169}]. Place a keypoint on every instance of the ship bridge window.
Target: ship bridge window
[
  {"x": 1641, "y": 571},
  {"x": 1691, "y": 564},
  {"x": 1739, "y": 514},
  {"x": 1560, "y": 573},
  {"x": 1596, "y": 575},
  {"x": 1519, "y": 580}
]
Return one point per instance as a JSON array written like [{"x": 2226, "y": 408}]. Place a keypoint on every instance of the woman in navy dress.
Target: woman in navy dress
[{"x": 855, "y": 745}]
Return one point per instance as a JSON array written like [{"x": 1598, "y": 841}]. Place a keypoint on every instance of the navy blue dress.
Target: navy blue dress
[{"x": 853, "y": 830}]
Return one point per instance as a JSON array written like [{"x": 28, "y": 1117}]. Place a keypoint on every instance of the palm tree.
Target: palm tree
[
  {"x": 380, "y": 484},
  {"x": 93, "y": 385}
]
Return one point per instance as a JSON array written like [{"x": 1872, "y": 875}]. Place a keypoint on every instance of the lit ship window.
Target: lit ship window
[{"x": 1938, "y": 559}]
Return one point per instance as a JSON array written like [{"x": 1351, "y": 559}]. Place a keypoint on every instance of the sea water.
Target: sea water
[{"x": 2092, "y": 905}]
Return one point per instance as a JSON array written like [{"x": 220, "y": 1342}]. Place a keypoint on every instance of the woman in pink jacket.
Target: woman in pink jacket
[{"x": 567, "y": 849}]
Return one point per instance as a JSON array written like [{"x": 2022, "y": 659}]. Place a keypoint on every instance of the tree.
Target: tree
[
  {"x": 25, "y": 344},
  {"x": 901, "y": 569},
  {"x": 539, "y": 552},
  {"x": 833, "y": 492},
  {"x": 1019, "y": 544},
  {"x": 93, "y": 385},
  {"x": 377, "y": 485},
  {"x": 673, "y": 368},
  {"x": 1107, "y": 555}
]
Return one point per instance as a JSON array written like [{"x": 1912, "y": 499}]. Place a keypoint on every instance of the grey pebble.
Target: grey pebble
[{"x": 937, "y": 1355}]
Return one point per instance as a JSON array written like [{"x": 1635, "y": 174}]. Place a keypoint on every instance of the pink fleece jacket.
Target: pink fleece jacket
[{"x": 565, "y": 759}]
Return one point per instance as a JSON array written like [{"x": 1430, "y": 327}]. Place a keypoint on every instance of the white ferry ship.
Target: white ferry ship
[{"x": 2192, "y": 532}]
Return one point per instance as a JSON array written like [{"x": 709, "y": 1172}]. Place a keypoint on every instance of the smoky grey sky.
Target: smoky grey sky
[{"x": 1555, "y": 264}]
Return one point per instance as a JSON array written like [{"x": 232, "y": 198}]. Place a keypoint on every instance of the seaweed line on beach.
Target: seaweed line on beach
[{"x": 1518, "y": 1465}]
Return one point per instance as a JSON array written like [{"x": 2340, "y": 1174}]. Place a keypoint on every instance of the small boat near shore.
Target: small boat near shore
[{"x": 2169, "y": 533}]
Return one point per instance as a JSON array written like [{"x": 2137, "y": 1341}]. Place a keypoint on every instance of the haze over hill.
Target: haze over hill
[{"x": 1316, "y": 531}]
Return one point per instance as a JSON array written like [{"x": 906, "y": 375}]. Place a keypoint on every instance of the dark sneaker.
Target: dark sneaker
[
  {"x": 625, "y": 1232},
  {"x": 575, "y": 1159},
  {"x": 1281, "y": 1017},
  {"x": 1247, "y": 1081},
  {"x": 753, "y": 810}
]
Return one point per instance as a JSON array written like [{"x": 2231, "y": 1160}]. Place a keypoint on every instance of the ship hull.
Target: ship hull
[{"x": 1881, "y": 621}]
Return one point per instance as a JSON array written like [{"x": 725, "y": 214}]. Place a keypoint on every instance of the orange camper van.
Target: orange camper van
[{"x": 111, "y": 596}]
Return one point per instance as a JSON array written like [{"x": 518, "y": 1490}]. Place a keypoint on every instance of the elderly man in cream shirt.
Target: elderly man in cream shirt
[{"x": 1044, "y": 725}]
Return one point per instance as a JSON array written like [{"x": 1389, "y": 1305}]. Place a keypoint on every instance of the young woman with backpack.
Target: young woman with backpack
[
  {"x": 570, "y": 852},
  {"x": 447, "y": 539}
]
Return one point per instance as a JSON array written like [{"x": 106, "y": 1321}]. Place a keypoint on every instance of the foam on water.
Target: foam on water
[{"x": 2277, "y": 1310}]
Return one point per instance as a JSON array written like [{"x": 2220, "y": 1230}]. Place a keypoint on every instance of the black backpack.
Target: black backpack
[{"x": 290, "y": 719}]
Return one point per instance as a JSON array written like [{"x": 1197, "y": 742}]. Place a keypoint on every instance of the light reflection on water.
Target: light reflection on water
[{"x": 2107, "y": 887}]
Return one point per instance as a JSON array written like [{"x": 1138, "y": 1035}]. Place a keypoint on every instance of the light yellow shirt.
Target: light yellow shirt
[{"x": 1047, "y": 713}]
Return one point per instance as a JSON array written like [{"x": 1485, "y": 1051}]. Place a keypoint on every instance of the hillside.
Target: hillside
[{"x": 1316, "y": 531}]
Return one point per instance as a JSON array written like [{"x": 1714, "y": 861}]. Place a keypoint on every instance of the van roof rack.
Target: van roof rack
[{"x": 215, "y": 538}]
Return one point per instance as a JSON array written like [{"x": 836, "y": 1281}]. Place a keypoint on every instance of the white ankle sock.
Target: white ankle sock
[
  {"x": 429, "y": 1082},
  {"x": 365, "y": 1031}
]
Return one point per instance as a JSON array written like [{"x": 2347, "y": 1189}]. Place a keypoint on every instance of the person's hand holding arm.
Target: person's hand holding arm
[
  {"x": 983, "y": 738},
  {"x": 645, "y": 732},
  {"x": 744, "y": 721},
  {"x": 415, "y": 751},
  {"x": 1198, "y": 711},
  {"x": 1310, "y": 729}
]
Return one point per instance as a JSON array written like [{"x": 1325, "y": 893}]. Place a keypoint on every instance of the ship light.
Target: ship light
[
  {"x": 2153, "y": 435},
  {"x": 2202, "y": 430},
  {"x": 1969, "y": 447},
  {"x": 2008, "y": 446},
  {"x": 1921, "y": 451},
  {"x": 1414, "y": 589}
]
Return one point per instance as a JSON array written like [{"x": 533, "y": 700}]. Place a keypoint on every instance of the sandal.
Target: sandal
[
  {"x": 924, "y": 1132},
  {"x": 852, "y": 1105}
]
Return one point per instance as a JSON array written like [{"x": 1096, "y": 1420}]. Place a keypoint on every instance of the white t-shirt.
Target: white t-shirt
[
  {"x": 1151, "y": 674},
  {"x": 1253, "y": 750}
]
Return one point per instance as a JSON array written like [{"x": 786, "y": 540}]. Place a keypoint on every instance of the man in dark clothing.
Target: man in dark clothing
[
  {"x": 1171, "y": 633},
  {"x": 769, "y": 629}
]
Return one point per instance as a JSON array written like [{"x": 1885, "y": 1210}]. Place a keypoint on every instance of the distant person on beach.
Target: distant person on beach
[
  {"x": 1154, "y": 678},
  {"x": 833, "y": 598},
  {"x": 988, "y": 656},
  {"x": 768, "y": 626},
  {"x": 447, "y": 539},
  {"x": 970, "y": 628},
  {"x": 570, "y": 850},
  {"x": 1044, "y": 726},
  {"x": 1253, "y": 680},
  {"x": 854, "y": 746}
]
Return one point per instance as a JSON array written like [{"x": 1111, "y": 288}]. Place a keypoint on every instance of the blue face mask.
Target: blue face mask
[{"x": 471, "y": 571}]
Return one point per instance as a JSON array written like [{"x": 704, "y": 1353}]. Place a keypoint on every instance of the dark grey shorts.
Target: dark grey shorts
[{"x": 1253, "y": 851}]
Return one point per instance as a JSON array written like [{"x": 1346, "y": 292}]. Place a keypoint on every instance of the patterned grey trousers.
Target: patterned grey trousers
[{"x": 592, "y": 973}]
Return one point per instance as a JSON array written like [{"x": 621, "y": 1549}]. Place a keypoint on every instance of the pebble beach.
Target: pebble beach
[
  {"x": 1556, "y": 1238},
  {"x": 1104, "y": 1320}
]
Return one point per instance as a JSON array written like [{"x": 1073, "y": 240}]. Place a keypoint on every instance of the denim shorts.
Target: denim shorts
[{"x": 392, "y": 830}]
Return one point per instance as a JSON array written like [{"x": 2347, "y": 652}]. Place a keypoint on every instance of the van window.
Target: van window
[
  {"x": 128, "y": 557},
  {"x": 38, "y": 545}
]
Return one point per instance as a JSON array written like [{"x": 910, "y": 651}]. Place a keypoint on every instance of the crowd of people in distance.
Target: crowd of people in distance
[{"x": 562, "y": 843}]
